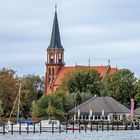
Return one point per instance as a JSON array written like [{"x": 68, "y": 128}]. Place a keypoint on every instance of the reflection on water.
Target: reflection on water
[{"x": 106, "y": 135}]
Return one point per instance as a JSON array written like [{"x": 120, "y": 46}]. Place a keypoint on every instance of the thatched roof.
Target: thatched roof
[{"x": 97, "y": 104}]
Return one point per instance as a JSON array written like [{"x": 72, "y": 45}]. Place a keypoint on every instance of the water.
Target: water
[{"x": 105, "y": 135}]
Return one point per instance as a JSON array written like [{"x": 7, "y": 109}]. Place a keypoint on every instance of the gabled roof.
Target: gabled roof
[
  {"x": 97, "y": 104},
  {"x": 55, "y": 42},
  {"x": 101, "y": 69}
]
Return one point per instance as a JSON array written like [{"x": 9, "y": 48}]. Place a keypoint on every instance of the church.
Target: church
[{"x": 55, "y": 65}]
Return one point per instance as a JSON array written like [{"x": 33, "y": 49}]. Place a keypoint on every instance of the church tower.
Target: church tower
[{"x": 55, "y": 57}]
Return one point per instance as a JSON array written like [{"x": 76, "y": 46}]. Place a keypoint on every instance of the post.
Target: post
[
  {"x": 52, "y": 127},
  {"x": 27, "y": 128},
  {"x": 66, "y": 125},
  {"x": 112, "y": 125},
  {"x": 73, "y": 125},
  {"x": 97, "y": 127},
  {"x": 19, "y": 127},
  {"x": 59, "y": 127},
  {"x": 117, "y": 125},
  {"x": 138, "y": 125},
  {"x": 91, "y": 126},
  {"x": 12, "y": 128},
  {"x": 102, "y": 126},
  {"x": 126, "y": 126},
  {"x": 79, "y": 126},
  {"x": 3, "y": 128},
  {"x": 40, "y": 128},
  {"x": 85, "y": 126},
  {"x": 34, "y": 127},
  {"x": 132, "y": 126},
  {"x": 108, "y": 126}
]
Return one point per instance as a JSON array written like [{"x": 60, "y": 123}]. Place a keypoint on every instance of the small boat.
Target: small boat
[
  {"x": 71, "y": 127},
  {"x": 21, "y": 126},
  {"x": 51, "y": 126}
]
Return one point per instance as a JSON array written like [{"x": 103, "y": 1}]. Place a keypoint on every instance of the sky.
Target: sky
[{"x": 99, "y": 30}]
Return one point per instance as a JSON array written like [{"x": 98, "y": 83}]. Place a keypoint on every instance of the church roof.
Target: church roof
[
  {"x": 103, "y": 70},
  {"x": 97, "y": 104},
  {"x": 55, "y": 42}
]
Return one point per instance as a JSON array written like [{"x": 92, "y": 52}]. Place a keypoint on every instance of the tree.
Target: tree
[
  {"x": 1, "y": 109},
  {"x": 82, "y": 80},
  {"x": 137, "y": 89},
  {"x": 8, "y": 89},
  {"x": 120, "y": 86},
  {"x": 34, "y": 109}
]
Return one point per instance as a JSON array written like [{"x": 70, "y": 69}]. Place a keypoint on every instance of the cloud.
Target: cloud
[{"x": 96, "y": 29}]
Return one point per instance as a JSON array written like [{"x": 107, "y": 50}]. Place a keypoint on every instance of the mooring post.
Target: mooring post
[
  {"x": 102, "y": 125},
  {"x": 60, "y": 127},
  {"x": 73, "y": 126},
  {"x": 91, "y": 126},
  {"x": 132, "y": 126},
  {"x": 85, "y": 126},
  {"x": 19, "y": 127},
  {"x": 126, "y": 125},
  {"x": 40, "y": 128},
  {"x": 66, "y": 125},
  {"x": 112, "y": 125},
  {"x": 27, "y": 128},
  {"x": 138, "y": 125},
  {"x": 3, "y": 128},
  {"x": 34, "y": 127},
  {"x": 79, "y": 126},
  {"x": 12, "y": 128},
  {"x": 97, "y": 126},
  {"x": 52, "y": 127},
  {"x": 108, "y": 126},
  {"x": 117, "y": 125}
]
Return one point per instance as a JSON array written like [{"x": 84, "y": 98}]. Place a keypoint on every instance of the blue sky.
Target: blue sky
[{"x": 101, "y": 30}]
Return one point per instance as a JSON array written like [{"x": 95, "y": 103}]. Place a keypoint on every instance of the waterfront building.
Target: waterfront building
[
  {"x": 100, "y": 108},
  {"x": 55, "y": 65}
]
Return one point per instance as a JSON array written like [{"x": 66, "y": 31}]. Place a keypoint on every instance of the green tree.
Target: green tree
[
  {"x": 1, "y": 109},
  {"x": 8, "y": 89},
  {"x": 137, "y": 89},
  {"x": 82, "y": 80},
  {"x": 34, "y": 109},
  {"x": 120, "y": 86}
]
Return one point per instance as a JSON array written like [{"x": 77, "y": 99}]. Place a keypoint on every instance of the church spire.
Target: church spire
[{"x": 55, "y": 42}]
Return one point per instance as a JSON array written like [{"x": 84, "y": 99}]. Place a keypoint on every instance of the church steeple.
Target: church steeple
[
  {"x": 55, "y": 42},
  {"x": 55, "y": 57}
]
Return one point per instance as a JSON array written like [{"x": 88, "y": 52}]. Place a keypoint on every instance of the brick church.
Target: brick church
[{"x": 55, "y": 65}]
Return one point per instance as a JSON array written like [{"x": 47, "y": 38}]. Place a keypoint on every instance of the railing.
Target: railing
[{"x": 79, "y": 126}]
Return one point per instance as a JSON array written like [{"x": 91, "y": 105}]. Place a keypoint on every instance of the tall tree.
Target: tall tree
[
  {"x": 8, "y": 89},
  {"x": 82, "y": 80},
  {"x": 120, "y": 86},
  {"x": 137, "y": 89}
]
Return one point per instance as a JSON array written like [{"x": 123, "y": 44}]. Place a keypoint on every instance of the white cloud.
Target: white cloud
[{"x": 96, "y": 29}]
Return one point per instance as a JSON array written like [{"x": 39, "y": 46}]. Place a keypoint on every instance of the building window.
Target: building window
[{"x": 49, "y": 71}]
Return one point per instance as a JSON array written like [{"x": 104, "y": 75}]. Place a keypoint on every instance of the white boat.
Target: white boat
[
  {"x": 22, "y": 127},
  {"x": 51, "y": 126}
]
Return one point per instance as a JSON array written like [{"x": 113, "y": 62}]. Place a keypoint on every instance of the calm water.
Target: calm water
[{"x": 106, "y": 135}]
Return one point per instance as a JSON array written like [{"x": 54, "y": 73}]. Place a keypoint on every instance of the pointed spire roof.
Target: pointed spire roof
[{"x": 55, "y": 42}]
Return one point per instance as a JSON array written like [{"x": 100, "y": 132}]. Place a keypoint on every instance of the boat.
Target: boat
[
  {"x": 22, "y": 126},
  {"x": 51, "y": 126}
]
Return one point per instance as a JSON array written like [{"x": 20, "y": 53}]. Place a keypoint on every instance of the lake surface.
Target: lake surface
[{"x": 94, "y": 135}]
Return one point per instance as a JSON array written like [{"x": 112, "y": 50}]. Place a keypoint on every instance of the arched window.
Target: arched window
[
  {"x": 49, "y": 71},
  {"x": 52, "y": 58}
]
